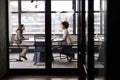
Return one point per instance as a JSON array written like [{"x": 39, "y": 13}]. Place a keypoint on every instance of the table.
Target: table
[{"x": 31, "y": 43}]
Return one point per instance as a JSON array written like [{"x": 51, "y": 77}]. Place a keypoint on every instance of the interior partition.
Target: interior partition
[{"x": 3, "y": 38}]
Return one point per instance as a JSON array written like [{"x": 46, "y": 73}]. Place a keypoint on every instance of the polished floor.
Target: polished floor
[
  {"x": 58, "y": 63},
  {"x": 47, "y": 78}
]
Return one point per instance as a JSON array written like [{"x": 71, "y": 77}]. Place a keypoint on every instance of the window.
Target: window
[
  {"x": 34, "y": 22},
  {"x": 62, "y": 13},
  {"x": 97, "y": 23},
  {"x": 32, "y": 16},
  {"x": 35, "y": 6},
  {"x": 61, "y": 5},
  {"x": 58, "y": 18}
]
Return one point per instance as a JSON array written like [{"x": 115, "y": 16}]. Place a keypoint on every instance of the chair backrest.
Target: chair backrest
[
  {"x": 12, "y": 38},
  {"x": 74, "y": 39},
  {"x": 39, "y": 44},
  {"x": 36, "y": 36}
]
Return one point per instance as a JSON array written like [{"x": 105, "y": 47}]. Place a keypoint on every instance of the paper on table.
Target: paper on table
[{"x": 58, "y": 39}]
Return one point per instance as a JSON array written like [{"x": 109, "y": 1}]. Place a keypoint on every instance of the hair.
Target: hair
[
  {"x": 20, "y": 28},
  {"x": 65, "y": 24}
]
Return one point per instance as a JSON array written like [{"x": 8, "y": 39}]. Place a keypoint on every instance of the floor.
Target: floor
[
  {"x": 47, "y": 78},
  {"x": 58, "y": 63}
]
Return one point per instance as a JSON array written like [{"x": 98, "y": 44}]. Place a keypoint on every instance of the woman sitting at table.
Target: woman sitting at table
[
  {"x": 66, "y": 42},
  {"x": 18, "y": 39}
]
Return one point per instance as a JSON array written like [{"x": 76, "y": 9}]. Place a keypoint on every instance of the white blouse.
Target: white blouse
[{"x": 66, "y": 37}]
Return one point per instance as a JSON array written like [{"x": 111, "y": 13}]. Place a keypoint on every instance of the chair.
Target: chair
[
  {"x": 64, "y": 50},
  {"x": 101, "y": 57},
  {"x": 39, "y": 54},
  {"x": 12, "y": 46}
]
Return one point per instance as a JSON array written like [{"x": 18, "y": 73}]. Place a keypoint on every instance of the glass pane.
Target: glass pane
[
  {"x": 103, "y": 22},
  {"x": 30, "y": 52},
  {"x": 86, "y": 5},
  {"x": 35, "y": 6},
  {"x": 57, "y": 18},
  {"x": 35, "y": 23},
  {"x": 13, "y": 6},
  {"x": 96, "y": 5},
  {"x": 99, "y": 41},
  {"x": 14, "y": 22},
  {"x": 64, "y": 53},
  {"x": 61, "y": 5},
  {"x": 97, "y": 23}
]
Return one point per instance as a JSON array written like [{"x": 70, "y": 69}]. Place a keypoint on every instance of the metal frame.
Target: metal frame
[
  {"x": 74, "y": 17},
  {"x": 90, "y": 40},
  {"x": 19, "y": 13},
  {"x": 48, "y": 34},
  {"x": 101, "y": 17},
  {"x": 81, "y": 39}
]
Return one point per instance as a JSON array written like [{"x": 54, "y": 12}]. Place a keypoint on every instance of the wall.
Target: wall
[{"x": 3, "y": 49}]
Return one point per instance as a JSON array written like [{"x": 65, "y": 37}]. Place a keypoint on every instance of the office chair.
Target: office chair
[
  {"x": 101, "y": 57},
  {"x": 64, "y": 50},
  {"x": 11, "y": 44}
]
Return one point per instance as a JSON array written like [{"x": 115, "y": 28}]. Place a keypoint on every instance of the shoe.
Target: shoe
[
  {"x": 19, "y": 60},
  {"x": 70, "y": 59},
  {"x": 24, "y": 57}
]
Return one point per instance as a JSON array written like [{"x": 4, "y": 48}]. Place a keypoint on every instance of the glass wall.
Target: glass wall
[
  {"x": 63, "y": 53},
  {"x": 32, "y": 15}
]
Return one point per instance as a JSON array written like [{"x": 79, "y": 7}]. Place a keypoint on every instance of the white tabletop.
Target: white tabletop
[
  {"x": 57, "y": 39},
  {"x": 32, "y": 40}
]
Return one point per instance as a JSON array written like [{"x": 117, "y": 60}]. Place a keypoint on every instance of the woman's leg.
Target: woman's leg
[{"x": 23, "y": 53}]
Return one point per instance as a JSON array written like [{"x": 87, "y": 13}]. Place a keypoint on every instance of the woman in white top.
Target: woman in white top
[
  {"x": 66, "y": 42},
  {"x": 66, "y": 36}
]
